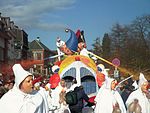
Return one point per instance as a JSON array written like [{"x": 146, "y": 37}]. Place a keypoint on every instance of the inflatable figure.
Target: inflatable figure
[
  {"x": 54, "y": 79},
  {"x": 69, "y": 47},
  {"x": 101, "y": 74},
  {"x": 71, "y": 44},
  {"x": 81, "y": 43},
  {"x": 60, "y": 44}
]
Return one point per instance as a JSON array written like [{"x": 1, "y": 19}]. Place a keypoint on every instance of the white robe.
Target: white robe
[
  {"x": 15, "y": 101},
  {"x": 55, "y": 100},
  {"x": 144, "y": 102},
  {"x": 45, "y": 95},
  {"x": 106, "y": 99}
]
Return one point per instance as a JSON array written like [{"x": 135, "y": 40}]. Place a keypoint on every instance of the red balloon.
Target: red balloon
[
  {"x": 54, "y": 80},
  {"x": 100, "y": 77}
]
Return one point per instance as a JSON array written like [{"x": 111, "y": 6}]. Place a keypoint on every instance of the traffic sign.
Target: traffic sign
[{"x": 116, "y": 62}]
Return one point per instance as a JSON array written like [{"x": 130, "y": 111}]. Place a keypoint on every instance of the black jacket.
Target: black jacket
[{"x": 81, "y": 96}]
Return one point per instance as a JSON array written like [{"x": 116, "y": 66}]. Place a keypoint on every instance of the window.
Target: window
[
  {"x": 84, "y": 71},
  {"x": 88, "y": 80},
  {"x": 70, "y": 72},
  {"x": 37, "y": 55},
  {"x": 89, "y": 84}
]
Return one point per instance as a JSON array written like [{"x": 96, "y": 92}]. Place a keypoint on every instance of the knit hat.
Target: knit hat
[
  {"x": 100, "y": 67},
  {"x": 55, "y": 69},
  {"x": 142, "y": 79},
  {"x": 20, "y": 74},
  {"x": 72, "y": 43}
]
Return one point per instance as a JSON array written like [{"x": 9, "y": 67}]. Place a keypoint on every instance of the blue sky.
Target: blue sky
[{"x": 47, "y": 19}]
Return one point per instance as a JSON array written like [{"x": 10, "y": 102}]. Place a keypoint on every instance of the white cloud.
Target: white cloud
[{"x": 27, "y": 13}]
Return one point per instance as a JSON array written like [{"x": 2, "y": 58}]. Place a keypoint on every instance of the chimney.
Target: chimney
[{"x": 38, "y": 39}]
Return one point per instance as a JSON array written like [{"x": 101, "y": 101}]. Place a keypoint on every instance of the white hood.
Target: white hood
[
  {"x": 108, "y": 82},
  {"x": 20, "y": 74},
  {"x": 142, "y": 79}
]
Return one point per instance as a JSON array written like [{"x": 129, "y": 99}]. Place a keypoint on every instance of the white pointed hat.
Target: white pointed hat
[
  {"x": 108, "y": 82},
  {"x": 142, "y": 79},
  {"x": 20, "y": 74}
]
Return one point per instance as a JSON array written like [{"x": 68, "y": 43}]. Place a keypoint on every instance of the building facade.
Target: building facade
[
  {"x": 40, "y": 54},
  {"x": 13, "y": 44}
]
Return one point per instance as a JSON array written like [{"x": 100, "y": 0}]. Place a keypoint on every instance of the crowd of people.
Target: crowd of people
[
  {"x": 28, "y": 95},
  {"x": 127, "y": 100},
  {"x": 5, "y": 84},
  {"x": 24, "y": 94}
]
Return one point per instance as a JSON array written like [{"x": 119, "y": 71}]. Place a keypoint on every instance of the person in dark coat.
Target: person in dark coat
[
  {"x": 81, "y": 96},
  {"x": 128, "y": 89}
]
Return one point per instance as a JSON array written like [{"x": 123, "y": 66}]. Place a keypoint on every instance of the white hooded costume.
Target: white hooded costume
[
  {"x": 143, "y": 101},
  {"x": 107, "y": 98},
  {"x": 16, "y": 101}
]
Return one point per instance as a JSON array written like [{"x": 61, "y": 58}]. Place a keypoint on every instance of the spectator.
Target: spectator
[
  {"x": 1, "y": 78},
  {"x": 138, "y": 100},
  {"x": 128, "y": 89},
  {"x": 81, "y": 96},
  {"x": 74, "y": 85}
]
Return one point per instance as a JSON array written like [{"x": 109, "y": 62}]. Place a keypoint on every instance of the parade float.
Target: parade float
[
  {"x": 75, "y": 61},
  {"x": 83, "y": 69}
]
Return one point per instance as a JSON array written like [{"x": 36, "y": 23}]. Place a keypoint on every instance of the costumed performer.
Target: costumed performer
[
  {"x": 42, "y": 91},
  {"x": 137, "y": 101},
  {"x": 109, "y": 100},
  {"x": 21, "y": 99},
  {"x": 58, "y": 99}
]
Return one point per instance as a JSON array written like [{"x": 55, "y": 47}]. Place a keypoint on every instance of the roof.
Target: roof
[{"x": 35, "y": 44}]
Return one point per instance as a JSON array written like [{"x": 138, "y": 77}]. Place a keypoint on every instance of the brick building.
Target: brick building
[{"x": 40, "y": 53}]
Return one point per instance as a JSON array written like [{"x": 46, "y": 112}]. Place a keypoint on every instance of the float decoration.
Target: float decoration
[{"x": 70, "y": 59}]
